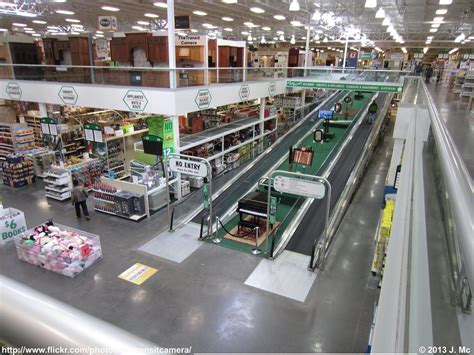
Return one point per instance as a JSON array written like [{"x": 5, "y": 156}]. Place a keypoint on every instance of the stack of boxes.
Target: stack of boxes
[
  {"x": 17, "y": 171},
  {"x": 383, "y": 238}
]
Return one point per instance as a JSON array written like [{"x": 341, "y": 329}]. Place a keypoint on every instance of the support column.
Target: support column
[
  {"x": 262, "y": 117},
  {"x": 345, "y": 56},
  {"x": 173, "y": 78},
  {"x": 42, "y": 109},
  {"x": 307, "y": 49}
]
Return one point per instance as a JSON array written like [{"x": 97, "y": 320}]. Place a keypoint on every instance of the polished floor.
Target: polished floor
[
  {"x": 459, "y": 121},
  {"x": 203, "y": 301}
]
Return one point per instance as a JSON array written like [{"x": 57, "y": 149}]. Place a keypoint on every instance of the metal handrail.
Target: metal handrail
[
  {"x": 459, "y": 185},
  {"x": 53, "y": 323}
]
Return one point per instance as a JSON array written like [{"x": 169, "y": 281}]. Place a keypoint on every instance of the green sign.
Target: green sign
[
  {"x": 344, "y": 86},
  {"x": 49, "y": 126},
  {"x": 205, "y": 195},
  {"x": 273, "y": 209},
  {"x": 93, "y": 133},
  {"x": 93, "y": 126},
  {"x": 365, "y": 56}
]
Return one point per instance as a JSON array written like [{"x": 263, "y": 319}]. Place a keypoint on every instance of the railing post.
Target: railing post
[{"x": 256, "y": 250}]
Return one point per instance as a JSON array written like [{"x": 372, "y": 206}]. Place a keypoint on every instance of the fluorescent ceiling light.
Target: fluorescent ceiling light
[
  {"x": 404, "y": 50},
  {"x": 435, "y": 25},
  {"x": 144, "y": 23},
  {"x": 294, "y": 5},
  {"x": 325, "y": 40},
  {"x": 163, "y": 5},
  {"x": 138, "y": 28},
  {"x": 228, "y": 29},
  {"x": 99, "y": 35},
  {"x": 3, "y": 30},
  {"x": 99, "y": 32},
  {"x": 74, "y": 33},
  {"x": 296, "y": 23},
  {"x": 27, "y": 28},
  {"x": 16, "y": 24},
  {"x": 150, "y": 15},
  {"x": 36, "y": 35},
  {"x": 441, "y": 11},
  {"x": 386, "y": 21},
  {"x": 304, "y": 37},
  {"x": 380, "y": 13},
  {"x": 282, "y": 37},
  {"x": 245, "y": 33},
  {"x": 200, "y": 13},
  {"x": 445, "y": 2},
  {"x": 73, "y": 20},
  {"x": 39, "y": 22},
  {"x": 52, "y": 27},
  {"x": 257, "y": 10},
  {"x": 425, "y": 50},
  {"x": 263, "y": 40},
  {"x": 266, "y": 28},
  {"x": 279, "y": 17},
  {"x": 64, "y": 12},
  {"x": 293, "y": 41},
  {"x": 229, "y": 1},
  {"x": 471, "y": 37},
  {"x": 25, "y": 14},
  {"x": 433, "y": 30},
  {"x": 30, "y": 31},
  {"x": 228, "y": 19},
  {"x": 110, "y": 8},
  {"x": 454, "y": 50},
  {"x": 438, "y": 19},
  {"x": 280, "y": 32},
  {"x": 371, "y": 4},
  {"x": 194, "y": 31},
  {"x": 61, "y": 34}
]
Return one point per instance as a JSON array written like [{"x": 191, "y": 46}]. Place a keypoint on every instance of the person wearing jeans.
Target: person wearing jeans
[
  {"x": 79, "y": 199},
  {"x": 372, "y": 112}
]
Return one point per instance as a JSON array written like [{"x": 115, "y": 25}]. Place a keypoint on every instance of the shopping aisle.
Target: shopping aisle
[
  {"x": 459, "y": 121},
  {"x": 204, "y": 299}
]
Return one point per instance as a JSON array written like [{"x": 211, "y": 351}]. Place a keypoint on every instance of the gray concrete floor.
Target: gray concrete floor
[
  {"x": 459, "y": 121},
  {"x": 203, "y": 301}
]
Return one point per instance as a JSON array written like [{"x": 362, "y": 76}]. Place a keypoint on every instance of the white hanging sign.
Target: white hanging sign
[
  {"x": 189, "y": 167},
  {"x": 300, "y": 187}
]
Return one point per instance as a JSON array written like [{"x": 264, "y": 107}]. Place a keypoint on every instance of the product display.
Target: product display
[
  {"x": 17, "y": 171},
  {"x": 57, "y": 183},
  {"x": 87, "y": 172},
  {"x": 42, "y": 160},
  {"x": 125, "y": 204},
  {"x": 58, "y": 248},
  {"x": 15, "y": 138}
]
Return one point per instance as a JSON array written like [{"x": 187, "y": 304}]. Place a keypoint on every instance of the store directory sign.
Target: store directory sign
[
  {"x": 300, "y": 187},
  {"x": 189, "y": 167}
]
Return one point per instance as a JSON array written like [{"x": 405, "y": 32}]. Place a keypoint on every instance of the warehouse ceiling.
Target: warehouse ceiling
[{"x": 412, "y": 22}]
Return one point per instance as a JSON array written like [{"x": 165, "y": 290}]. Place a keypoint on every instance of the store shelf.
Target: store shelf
[
  {"x": 136, "y": 218},
  {"x": 190, "y": 141},
  {"x": 59, "y": 198},
  {"x": 126, "y": 135},
  {"x": 66, "y": 189},
  {"x": 101, "y": 200}
]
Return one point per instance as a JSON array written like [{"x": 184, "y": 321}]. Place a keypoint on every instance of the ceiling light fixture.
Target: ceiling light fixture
[
  {"x": 386, "y": 21},
  {"x": 282, "y": 37},
  {"x": 433, "y": 30},
  {"x": 150, "y": 15},
  {"x": 24, "y": 14},
  {"x": 435, "y": 25},
  {"x": 228, "y": 19},
  {"x": 293, "y": 40},
  {"x": 294, "y": 5},
  {"x": 404, "y": 50},
  {"x": 438, "y": 19},
  {"x": 36, "y": 35},
  {"x": 279, "y": 17},
  {"x": 138, "y": 28},
  {"x": 425, "y": 50},
  {"x": 228, "y": 29},
  {"x": 266, "y": 28},
  {"x": 110, "y": 8},
  {"x": 316, "y": 16},
  {"x": 27, "y": 28},
  {"x": 200, "y": 13},
  {"x": 3, "y": 30},
  {"x": 39, "y": 22},
  {"x": 30, "y": 31},
  {"x": 454, "y": 50},
  {"x": 325, "y": 40},
  {"x": 99, "y": 35},
  {"x": 16, "y": 24},
  {"x": 380, "y": 13},
  {"x": 64, "y": 12},
  {"x": 441, "y": 11},
  {"x": 73, "y": 20},
  {"x": 257, "y": 10},
  {"x": 316, "y": 37},
  {"x": 245, "y": 33},
  {"x": 163, "y": 5},
  {"x": 229, "y": 1},
  {"x": 263, "y": 40},
  {"x": 296, "y": 23},
  {"x": 249, "y": 38},
  {"x": 144, "y": 23},
  {"x": 371, "y": 4},
  {"x": 445, "y": 2}
]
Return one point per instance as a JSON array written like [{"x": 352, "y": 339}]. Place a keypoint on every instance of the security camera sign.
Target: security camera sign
[
  {"x": 188, "y": 167},
  {"x": 135, "y": 100}
]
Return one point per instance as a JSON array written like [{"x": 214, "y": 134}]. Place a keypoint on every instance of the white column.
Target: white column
[
  {"x": 307, "y": 49},
  {"x": 42, "y": 109},
  {"x": 206, "y": 61},
  {"x": 345, "y": 56},
  {"x": 262, "y": 116},
  {"x": 173, "y": 76}
]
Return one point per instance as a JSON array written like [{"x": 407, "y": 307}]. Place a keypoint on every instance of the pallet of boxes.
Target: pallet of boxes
[{"x": 18, "y": 171}]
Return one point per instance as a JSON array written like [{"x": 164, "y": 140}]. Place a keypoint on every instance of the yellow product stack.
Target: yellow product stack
[{"x": 383, "y": 237}]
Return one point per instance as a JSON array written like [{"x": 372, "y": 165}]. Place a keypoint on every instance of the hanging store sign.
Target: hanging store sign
[
  {"x": 93, "y": 133},
  {"x": 189, "y": 167},
  {"x": 203, "y": 99},
  {"x": 396, "y": 56},
  {"x": 300, "y": 187},
  {"x": 272, "y": 88},
  {"x": 190, "y": 41},
  {"x": 14, "y": 91},
  {"x": 344, "y": 86},
  {"x": 102, "y": 48},
  {"x": 68, "y": 95},
  {"x": 107, "y": 23},
  {"x": 49, "y": 126},
  {"x": 244, "y": 92},
  {"x": 135, "y": 100},
  {"x": 365, "y": 56}
]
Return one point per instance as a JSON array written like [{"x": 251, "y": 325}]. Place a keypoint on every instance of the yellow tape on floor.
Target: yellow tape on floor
[{"x": 138, "y": 273}]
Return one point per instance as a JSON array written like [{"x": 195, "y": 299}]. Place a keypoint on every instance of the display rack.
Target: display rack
[
  {"x": 15, "y": 138},
  {"x": 468, "y": 86},
  {"x": 459, "y": 82},
  {"x": 72, "y": 140},
  {"x": 17, "y": 171},
  {"x": 42, "y": 160},
  {"x": 34, "y": 123},
  {"x": 57, "y": 183}
]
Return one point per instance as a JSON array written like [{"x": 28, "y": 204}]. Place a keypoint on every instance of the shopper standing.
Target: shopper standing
[
  {"x": 428, "y": 74},
  {"x": 372, "y": 111},
  {"x": 79, "y": 199},
  {"x": 418, "y": 69}
]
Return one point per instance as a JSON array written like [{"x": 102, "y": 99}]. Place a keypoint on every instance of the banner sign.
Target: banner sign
[
  {"x": 190, "y": 41},
  {"x": 300, "y": 187},
  {"x": 361, "y": 86},
  {"x": 49, "y": 126}
]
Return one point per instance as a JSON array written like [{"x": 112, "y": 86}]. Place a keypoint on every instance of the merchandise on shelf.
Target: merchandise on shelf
[
  {"x": 383, "y": 236},
  {"x": 33, "y": 121},
  {"x": 42, "y": 160},
  {"x": 60, "y": 249},
  {"x": 57, "y": 184},
  {"x": 87, "y": 172},
  {"x": 72, "y": 138},
  {"x": 126, "y": 204},
  {"x": 15, "y": 138},
  {"x": 17, "y": 171}
]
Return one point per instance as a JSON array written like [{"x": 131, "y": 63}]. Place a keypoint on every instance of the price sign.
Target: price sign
[{"x": 13, "y": 226}]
